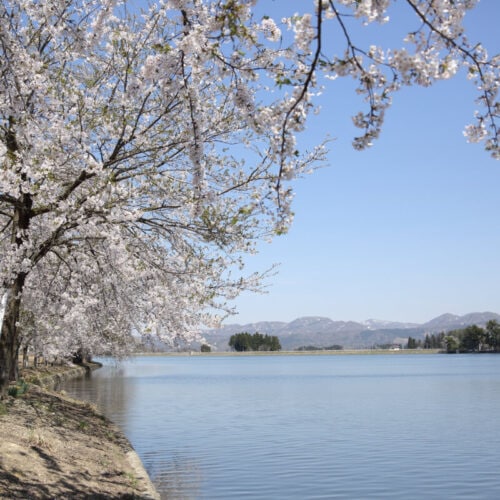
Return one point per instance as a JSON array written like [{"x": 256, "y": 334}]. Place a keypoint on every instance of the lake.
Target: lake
[{"x": 309, "y": 427}]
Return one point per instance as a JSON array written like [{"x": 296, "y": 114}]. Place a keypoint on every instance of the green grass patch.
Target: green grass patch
[
  {"x": 19, "y": 389},
  {"x": 82, "y": 425}
]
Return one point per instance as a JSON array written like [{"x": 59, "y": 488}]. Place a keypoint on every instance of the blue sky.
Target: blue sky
[{"x": 404, "y": 231}]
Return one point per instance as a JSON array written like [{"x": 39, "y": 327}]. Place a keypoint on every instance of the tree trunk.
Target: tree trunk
[
  {"x": 9, "y": 338},
  {"x": 26, "y": 362}
]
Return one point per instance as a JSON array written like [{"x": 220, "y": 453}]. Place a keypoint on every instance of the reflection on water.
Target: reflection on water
[
  {"x": 179, "y": 476},
  {"x": 310, "y": 426},
  {"x": 111, "y": 392}
]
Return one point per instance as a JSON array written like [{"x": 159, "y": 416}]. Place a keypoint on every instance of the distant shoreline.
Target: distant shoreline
[{"x": 345, "y": 352}]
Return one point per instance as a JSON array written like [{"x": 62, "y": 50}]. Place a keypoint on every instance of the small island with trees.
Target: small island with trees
[{"x": 244, "y": 341}]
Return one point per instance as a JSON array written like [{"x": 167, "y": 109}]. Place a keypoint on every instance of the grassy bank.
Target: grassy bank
[{"x": 52, "y": 446}]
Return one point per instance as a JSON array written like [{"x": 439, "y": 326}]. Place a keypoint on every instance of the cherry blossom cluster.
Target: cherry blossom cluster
[{"x": 436, "y": 48}]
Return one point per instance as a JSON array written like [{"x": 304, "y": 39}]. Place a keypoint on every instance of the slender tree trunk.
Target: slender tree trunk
[
  {"x": 9, "y": 338},
  {"x": 26, "y": 361}
]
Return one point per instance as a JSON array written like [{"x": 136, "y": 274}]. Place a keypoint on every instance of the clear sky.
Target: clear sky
[{"x": 404, "y": 231}]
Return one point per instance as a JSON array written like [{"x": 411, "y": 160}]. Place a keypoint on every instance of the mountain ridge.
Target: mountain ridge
[{"x": 321, "y": 331}]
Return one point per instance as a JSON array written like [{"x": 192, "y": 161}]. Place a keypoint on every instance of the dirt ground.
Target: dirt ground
[{"x": 53, "y": 447}]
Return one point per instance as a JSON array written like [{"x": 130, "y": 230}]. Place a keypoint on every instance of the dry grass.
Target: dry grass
[{"x": 52, "y": 446}]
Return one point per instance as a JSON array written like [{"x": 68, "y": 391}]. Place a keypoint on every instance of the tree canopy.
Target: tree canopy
[
  {"x": 245, "y": 341},
  {"x": 144, "y": 153},
  {"x": 474, "y": 338}
]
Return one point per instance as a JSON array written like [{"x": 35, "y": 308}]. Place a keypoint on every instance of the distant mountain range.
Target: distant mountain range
[{"x": 324, "y": 332}]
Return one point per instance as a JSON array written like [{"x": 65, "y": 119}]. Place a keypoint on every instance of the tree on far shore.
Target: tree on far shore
[
  {"x": 245, "y": 341},
  {"x": 474, "y": 338}
]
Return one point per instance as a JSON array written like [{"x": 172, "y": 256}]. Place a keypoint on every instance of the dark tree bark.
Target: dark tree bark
[{"x": 9, "y": 339}]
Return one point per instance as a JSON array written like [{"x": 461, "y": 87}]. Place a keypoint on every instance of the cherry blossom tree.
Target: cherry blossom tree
[
  {"x": 143, "y": 153},
  {"x": 139, "y": 162}
]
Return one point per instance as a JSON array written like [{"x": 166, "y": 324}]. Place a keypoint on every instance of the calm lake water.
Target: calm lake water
[{"x": 309, "y": 427}]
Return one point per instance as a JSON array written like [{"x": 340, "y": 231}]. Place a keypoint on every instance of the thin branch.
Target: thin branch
[{"x": 302, "y": 95}]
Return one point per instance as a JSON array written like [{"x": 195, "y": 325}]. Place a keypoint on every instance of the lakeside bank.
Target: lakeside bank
[{"x": 53, "y": 446}]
